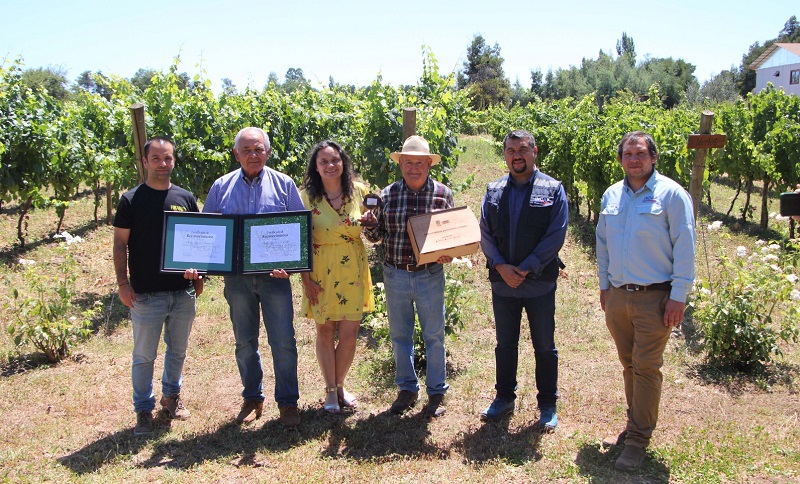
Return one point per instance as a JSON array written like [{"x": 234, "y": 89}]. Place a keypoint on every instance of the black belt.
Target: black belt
[
  {"x": 659, "y": 286},
  {"x": 410, "y": 267}
]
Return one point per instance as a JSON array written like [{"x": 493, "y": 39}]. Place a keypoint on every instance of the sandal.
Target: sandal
[
  {"x": 332, "y": 408},
  {"x": 346, "y": 399}
]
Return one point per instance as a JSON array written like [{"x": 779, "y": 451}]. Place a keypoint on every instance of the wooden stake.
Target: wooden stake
[
  {"x": 699, "y": 164},
  {"x": 139, "y": 137},
  {"x": 409, "y": 122}
]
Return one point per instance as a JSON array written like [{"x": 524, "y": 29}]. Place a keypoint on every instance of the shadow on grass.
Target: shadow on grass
[
  {"x": 514, "y": 445},
  {"x": 384, "y": 437},
  {"x": 15, "y": 364},
  {"x": 754, "y": 379},
  {"x": 598, "y": 466},
  {"x": 240, "y": 445}
]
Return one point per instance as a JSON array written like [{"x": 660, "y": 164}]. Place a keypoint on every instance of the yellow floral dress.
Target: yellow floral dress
[{"x": 340, "y": 260}]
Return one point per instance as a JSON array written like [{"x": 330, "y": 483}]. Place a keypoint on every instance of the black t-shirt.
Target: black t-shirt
[{"x": 141, "y": 210}]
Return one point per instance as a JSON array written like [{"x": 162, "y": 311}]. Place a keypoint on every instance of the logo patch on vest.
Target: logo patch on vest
[{"x": 541, "y": 201}]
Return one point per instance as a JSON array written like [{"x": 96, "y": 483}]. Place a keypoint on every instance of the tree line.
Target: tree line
[{"x": 52, "y": 145}]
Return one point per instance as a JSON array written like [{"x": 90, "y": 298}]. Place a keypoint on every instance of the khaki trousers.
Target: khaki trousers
[{"x": 636, "y": 322}]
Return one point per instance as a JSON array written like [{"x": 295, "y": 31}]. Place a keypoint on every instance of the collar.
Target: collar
[
  {"x": 513, "y": 182},
  {"x": 257, "y": 179},
  {"x": 650, "y": 183},
  {"x": 428, "y": 186}
]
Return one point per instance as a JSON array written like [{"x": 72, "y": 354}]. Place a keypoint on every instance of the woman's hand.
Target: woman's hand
[{"x": 312, "y": 289}]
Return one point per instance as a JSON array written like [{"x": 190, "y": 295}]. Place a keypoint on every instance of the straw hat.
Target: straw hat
[{"x": 415, "y": 146}]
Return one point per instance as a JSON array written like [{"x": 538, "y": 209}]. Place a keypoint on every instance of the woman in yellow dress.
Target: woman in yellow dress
[{"x": 339, "y": 290}]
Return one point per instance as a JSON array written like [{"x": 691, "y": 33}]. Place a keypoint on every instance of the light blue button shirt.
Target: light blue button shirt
[
  {"x": 269, "y": 192},
  {"x": 647, "y": 237}
]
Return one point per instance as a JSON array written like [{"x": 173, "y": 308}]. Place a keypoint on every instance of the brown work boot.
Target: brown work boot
[
  {"x": 144, "y": 423},
  {"x": 435, "y": 407},
  {"x": 174, "y": 406},
  {"x": 248, "y": 407},
  {"x": 290, "y": 416},
  {"x": 405, "y": 400},
  {"x": 630, "y": 459}
]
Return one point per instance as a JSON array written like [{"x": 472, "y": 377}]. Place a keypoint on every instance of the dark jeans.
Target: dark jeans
[{"x": 541, "y": 319}]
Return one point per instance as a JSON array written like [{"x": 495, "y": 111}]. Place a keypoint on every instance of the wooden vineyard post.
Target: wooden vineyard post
[
  {"x": 409, "y": 122},
  {"x": 702, "y": 142},
  {"x": 139, "y": 137},
  {"x": 109, "y": 208}
]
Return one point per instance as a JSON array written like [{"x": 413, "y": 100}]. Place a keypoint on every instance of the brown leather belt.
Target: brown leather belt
[
  {"x": 410, "y": 267},
  {"x": 659, "y": 286}
]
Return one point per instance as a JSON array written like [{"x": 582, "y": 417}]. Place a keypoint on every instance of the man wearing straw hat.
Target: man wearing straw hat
[{"x": 408, "y": 284}]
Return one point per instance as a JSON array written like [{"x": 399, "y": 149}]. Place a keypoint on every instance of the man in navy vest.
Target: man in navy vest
[{"x": 523, "y": 226}]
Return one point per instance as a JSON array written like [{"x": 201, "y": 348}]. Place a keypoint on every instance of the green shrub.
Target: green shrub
[
  {"x": 752, "y": 309},
  {"x": 45, "y": 316}
]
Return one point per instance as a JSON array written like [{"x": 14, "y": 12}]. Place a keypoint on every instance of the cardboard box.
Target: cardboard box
[{"x": 453, "y": 232}]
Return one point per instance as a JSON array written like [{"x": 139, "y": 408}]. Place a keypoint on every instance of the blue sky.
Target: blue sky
[{"x": 353, "y": 41}]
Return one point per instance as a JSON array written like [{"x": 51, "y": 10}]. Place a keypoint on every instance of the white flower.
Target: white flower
[
  {"x": 775, "y": 268},
  {"x": 462, "y": 261},
  {"x": 795, "y": 295},
  {"x": 716, "y": 225},
  {"x": 26, "y": 262},
  {"x": 772, "y": 214},
  {"x": 781, "y": 218},
  {"x": 705, "y": 291},
  {"x": 741, "y": 251},
  {"x": 379, "y": 285},
  {"x": 765, "y": 250},
  {"x": 774, "y": 247},
  {"x": 72, "y": 318},
  {"x": 760, "y": 242},
  {"x": 791, "y": 278},
  {"x": 769, "y": 257}
]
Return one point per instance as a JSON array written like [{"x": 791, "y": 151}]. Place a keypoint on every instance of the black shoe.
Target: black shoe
[
  {"x": 434, "y": 408},
  {"x": 405, "y": 400}
]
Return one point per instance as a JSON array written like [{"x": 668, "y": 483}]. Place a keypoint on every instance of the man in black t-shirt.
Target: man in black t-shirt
[{"x": 156, "y": 300}]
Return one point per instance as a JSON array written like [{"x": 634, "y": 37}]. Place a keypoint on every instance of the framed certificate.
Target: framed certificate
[
  {"x": 202, "y": 241},
  {"x": 237, "y": 244},
  {"x": 280, "y": 240}
]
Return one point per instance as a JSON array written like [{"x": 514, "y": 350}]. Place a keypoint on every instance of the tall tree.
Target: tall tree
[
  {"x": 95, "y": 83},
  {"x": 626, "y": 49},
  {"x": 483, "y": 74},
  {"x": 228, "y": 87},
  {"x": 537, "y": 83},
  {"x": 295, "y": 79},
  {"x": 143, "y": 77},
  {"x": 53, "y": 79},
  {"x": 272, "y": 81}
]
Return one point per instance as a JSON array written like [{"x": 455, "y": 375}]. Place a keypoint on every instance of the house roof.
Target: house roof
[{"x": 793, "y": 47}]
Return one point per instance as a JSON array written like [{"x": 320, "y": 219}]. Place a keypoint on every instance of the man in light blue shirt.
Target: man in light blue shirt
[
  {"x": 256, "y": 188},
  {"x": 645, "y": 262}
]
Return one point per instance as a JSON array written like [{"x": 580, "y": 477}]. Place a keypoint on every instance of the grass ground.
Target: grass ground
[{"x": 72, "y": 422}]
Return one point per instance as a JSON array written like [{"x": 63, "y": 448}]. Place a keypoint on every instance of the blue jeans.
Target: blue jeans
[
  {"x": 174, "y": 312},
  {"x": 244, "y": 295},
  {"x": 425, "y": 290},
  {"x": 541, "y": 319}
]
